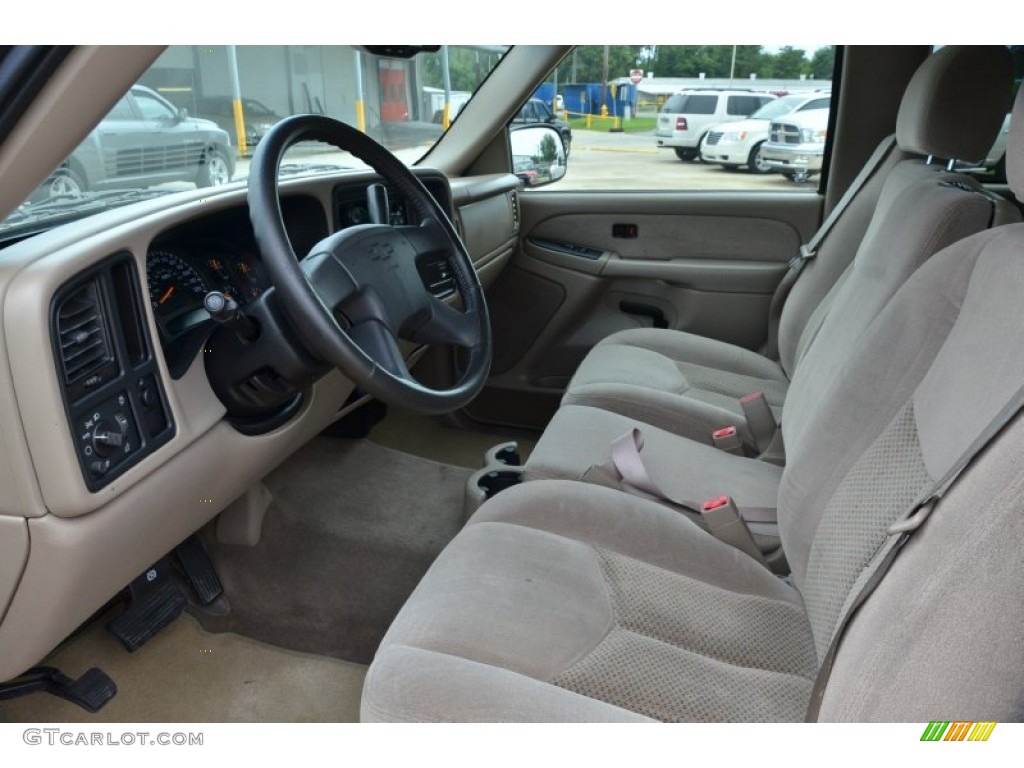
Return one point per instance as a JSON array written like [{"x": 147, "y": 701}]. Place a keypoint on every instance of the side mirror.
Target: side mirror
[
  {"x": 182, "y": 115},
  {"x": 538, "y": 155}
]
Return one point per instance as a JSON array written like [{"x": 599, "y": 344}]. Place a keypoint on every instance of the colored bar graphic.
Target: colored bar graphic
[{"x": 960, "y": 730}]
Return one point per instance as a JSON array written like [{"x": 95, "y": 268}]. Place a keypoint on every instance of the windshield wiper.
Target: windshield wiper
[{"x": 65, "y": 208}]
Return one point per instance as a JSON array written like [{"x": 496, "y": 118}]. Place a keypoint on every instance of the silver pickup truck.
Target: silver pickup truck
[{"x": 796, "y": 144}]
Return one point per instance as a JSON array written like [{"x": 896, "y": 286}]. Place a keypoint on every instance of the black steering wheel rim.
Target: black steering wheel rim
[{"x": 367, "y": 267}]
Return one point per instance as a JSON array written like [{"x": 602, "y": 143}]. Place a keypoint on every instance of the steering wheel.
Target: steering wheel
[{"x": 360, "y": 290}]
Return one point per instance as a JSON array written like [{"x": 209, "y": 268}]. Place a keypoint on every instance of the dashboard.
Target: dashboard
[{"x": 75, "y": 529}]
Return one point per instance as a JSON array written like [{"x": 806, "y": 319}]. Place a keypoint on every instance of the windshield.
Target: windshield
[
  {"x": 196, "y": 115},
  {"x": 779, "y": 107}
]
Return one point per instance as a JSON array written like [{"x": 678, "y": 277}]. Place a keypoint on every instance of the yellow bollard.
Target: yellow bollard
[{"x": 589, "y": 119}]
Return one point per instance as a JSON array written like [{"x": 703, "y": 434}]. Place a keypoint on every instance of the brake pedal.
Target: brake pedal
[
  {"x": 91, "y": 691},
  {"x": 198, "y": 570},
  {"x": 155, "y": 601}
]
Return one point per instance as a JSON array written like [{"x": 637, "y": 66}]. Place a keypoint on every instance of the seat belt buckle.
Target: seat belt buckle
[
  {"x": 728, "y": 440},
  {"x": 725, "y": 523},
  {"x": 760, "y": 419}
]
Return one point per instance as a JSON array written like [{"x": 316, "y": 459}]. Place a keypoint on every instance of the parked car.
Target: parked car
[
  {"x": 144, "y": 141},
  {"x": 686, "y": 117},
  {"x": 796, "y": 144},
  {"x": 258, "y": 117},
  {"x": 739, "y": 143},
  {"x": 537, "y": 111}
]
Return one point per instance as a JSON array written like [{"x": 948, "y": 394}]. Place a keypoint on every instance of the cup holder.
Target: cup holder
[
  {"x": 497, "y": 480},
  {"x": 503, "y": 455},
  {"x": 488, "y": 482}
]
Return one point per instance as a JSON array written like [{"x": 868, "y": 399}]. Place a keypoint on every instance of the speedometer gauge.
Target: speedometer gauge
[{"x": 175, "y": 286}]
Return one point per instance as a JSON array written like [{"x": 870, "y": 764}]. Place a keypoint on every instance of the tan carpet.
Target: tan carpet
[
  {"x": 186, "y": 675},
  {"x": 427, "y": 437},
  {"x": 353, "y": 528}
]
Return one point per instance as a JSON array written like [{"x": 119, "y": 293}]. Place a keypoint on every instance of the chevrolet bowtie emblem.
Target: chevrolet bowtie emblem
[{"x": 381, "y": 252}]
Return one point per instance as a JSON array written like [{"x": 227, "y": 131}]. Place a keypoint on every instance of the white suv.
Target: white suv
[
  {"x": 739, "y": 142},
  {"x": 686, "y": 117}
]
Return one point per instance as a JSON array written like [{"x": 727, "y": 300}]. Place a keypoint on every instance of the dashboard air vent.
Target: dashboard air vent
[{"x": 84, "y": 341}]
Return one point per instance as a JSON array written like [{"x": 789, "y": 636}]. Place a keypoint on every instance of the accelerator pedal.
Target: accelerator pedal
[
  {"x": 91, "y": 691},
  {"x": 198, "y": 570}
]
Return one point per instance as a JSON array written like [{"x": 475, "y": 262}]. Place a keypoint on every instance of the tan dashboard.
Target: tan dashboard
[{"x": 65, "y": 547}]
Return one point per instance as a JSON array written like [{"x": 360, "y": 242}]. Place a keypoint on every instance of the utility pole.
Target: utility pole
[{"x": 604, "y": 76}]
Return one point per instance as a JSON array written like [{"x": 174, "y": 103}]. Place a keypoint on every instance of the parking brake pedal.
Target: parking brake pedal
[
  {"x": 91, "y": 691},
  {"x": 155, "y": 601},
  {"x": 198, "y": 570}
]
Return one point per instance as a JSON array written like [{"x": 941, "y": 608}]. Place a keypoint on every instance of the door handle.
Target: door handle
[{"x": 645, "y": 310}]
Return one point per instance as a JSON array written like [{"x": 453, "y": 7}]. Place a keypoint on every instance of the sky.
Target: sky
[{"x": 460, "y": 21}]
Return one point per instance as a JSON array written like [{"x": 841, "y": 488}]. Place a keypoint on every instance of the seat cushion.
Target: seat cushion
[
  {"x": 687, "y": 384},
  {"x": 564, "y": 601},
  {"x": 579, "y": 437}
]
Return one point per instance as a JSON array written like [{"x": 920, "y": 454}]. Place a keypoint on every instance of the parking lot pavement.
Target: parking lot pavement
[
  {"x": 623, "y": 161},
  {"x": 598, "y": 160}
]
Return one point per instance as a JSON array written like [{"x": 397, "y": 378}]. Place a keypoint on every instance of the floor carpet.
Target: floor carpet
[
  {"x": 427, "y": 437},
  {"x": 352, "y": 529},
  {"x": 186, "y": 675}
]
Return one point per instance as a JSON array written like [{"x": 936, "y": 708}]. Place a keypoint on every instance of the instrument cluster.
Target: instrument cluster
[{"x": 181, "y": 276}]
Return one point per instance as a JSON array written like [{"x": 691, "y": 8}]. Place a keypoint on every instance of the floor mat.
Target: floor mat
[
  {"x": 353, "y": 528},
  {"x": 186, "y": 675}
]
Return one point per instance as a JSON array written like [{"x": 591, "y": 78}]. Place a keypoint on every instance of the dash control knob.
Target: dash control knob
[{"x": 107, "y": 437}]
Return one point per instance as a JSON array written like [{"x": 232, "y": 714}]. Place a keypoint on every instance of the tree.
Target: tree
[
  {"x": 590, "y": 63},
  {"x": 823, "y": 62},
  {"x": 548, "y": 150},
  {"x": 789, "y": 63}
]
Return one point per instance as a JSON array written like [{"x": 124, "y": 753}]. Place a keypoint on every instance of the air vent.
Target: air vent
[{"x": 83, "y": 338}]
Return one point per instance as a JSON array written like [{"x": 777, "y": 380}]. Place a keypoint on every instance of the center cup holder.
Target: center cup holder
[
  {"x": 495, "y": 481},
  {"x": 503, "y": 455},
  {"x": 502, "y": 469}
]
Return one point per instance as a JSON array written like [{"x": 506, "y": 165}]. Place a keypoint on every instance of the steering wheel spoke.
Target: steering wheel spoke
[
  {"x": 381, "y": 345},
  {"x": 447, "y": 325}
]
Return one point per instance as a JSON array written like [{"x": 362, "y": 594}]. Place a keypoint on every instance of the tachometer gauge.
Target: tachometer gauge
[{"x": 175, "y": 286}]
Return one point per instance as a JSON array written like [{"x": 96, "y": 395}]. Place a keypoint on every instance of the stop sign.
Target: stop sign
[{"x": 635, "y": 76}]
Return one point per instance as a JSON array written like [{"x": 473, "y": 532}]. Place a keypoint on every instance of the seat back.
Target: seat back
[
  {"x": 936, "y": 365},
  {"x": 972, "y": 82}
]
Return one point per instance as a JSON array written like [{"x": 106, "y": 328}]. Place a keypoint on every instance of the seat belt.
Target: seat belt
[
  {"x": 626, "y": 471},
  {"x": 898, "y": 534},
  {"x": 809, "y": 250}
]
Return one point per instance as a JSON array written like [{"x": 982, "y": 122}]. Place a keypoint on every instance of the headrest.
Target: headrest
[
  {"x": 955, "y": 103},
  {"x": 1015, "y": 148}
]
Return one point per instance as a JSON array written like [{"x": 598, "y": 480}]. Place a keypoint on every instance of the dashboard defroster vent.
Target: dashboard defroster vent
[{"x": 84, "y": 340}]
